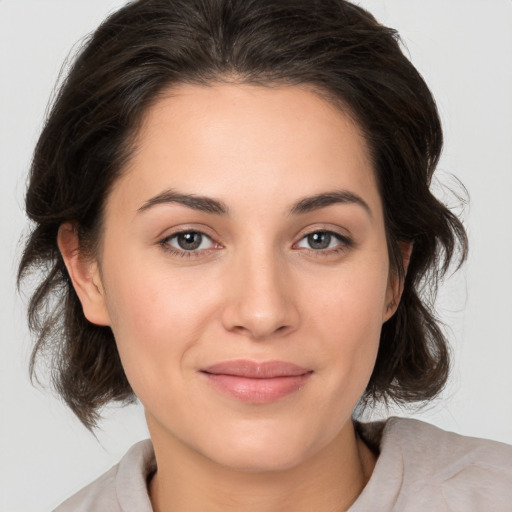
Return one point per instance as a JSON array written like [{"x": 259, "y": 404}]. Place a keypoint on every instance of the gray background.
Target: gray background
[{"x": 464, "y": 50}]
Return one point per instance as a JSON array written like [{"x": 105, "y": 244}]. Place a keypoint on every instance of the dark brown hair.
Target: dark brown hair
[{"x": 149, "y": 46}]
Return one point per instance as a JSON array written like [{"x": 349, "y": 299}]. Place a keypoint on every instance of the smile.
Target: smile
[{"x": 257, "y": 382}]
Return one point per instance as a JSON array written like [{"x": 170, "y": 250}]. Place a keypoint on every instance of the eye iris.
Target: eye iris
[
  {"x": 189, "y": 241},
  {"x": 319, "y": 240}
]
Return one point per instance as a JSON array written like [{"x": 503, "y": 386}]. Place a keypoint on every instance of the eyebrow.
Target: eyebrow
[
  {"x": 316, "y": 202},
  {"x": 200, "y": 203},
  {"x": 217, "y": 207}
]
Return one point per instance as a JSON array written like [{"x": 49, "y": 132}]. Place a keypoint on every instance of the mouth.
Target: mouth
[{"x": 257, "y": 382}]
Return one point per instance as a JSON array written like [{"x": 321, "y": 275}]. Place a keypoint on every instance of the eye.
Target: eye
[
  {"x": 323, "y": 240},
  {"x": 189, "y": 241}
]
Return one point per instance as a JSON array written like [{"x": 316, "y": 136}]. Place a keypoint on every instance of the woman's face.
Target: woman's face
[{"x": 244, "y": 272}]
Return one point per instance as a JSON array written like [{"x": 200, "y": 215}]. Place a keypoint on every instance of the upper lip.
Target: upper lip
[{"x": 256, "y": 370}]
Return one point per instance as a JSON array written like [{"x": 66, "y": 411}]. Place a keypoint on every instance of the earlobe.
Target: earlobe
[
  {"x": 84, "y": 274},
  {"x": 395, "y": 283}
]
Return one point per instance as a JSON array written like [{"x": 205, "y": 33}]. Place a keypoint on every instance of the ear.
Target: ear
[
  {"x": 84, "y": 274},
  {"x": 395, "y": 284}
]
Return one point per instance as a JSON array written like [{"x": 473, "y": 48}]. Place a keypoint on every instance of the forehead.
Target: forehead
[{"x": 247, "y": 143}]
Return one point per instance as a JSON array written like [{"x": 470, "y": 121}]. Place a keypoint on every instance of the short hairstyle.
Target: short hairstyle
[{"x": 150, "y": 46}]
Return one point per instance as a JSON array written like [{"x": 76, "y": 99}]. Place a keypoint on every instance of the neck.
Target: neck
[{"x": 330, "y": 480}]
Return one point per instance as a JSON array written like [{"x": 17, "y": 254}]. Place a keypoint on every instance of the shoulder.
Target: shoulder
[
  {"x": 440, "y": 448},
  {"x": 427, "y": 468},
  {"x": 469, "y": 473},
  {"x": 121, "y": 489}
]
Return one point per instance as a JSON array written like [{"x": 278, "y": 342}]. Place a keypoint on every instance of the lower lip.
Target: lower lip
[{"x": 257, "y": 391}]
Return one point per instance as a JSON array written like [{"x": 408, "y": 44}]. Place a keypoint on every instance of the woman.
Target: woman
[{"x": 232, "y": 204}]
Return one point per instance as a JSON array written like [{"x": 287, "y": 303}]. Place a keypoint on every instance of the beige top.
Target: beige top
[{"x": 421, "y": 468}]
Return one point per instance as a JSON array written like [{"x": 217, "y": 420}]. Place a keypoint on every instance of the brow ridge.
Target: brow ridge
[{"x": 217, "y": 207}]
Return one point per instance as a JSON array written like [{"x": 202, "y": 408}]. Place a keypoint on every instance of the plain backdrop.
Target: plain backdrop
[{"x": 464, "y": 50}]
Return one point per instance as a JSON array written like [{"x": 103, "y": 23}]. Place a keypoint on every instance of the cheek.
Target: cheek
[
  {"x": 146, "y": 298},
  {"x": 349, "y": 317},
  {"x": 156, "y": 320},
  {"x": 351, "y": 302}
]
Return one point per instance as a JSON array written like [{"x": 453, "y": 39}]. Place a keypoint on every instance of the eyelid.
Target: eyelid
[
  {"x": 176, "y": 251},
  {"x": 194, "y": 227},
  {"x": 345, "y": 241},
  {"x": 338, "y": 231},
  {"x": 202, "y": 235},
  {"x": 334, "y": 235}
]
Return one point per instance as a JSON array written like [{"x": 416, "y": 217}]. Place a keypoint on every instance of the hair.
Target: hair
[{"x": 150, "y": 46}]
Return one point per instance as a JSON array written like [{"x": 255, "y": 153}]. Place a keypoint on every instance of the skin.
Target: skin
[{"x": 255, "y": 289}]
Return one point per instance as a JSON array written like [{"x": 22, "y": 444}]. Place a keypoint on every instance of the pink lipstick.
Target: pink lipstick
[{"x": 257, "y": 382}]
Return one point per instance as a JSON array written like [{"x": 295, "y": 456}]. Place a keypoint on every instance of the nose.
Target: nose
[{"x": 261, "y": 303}]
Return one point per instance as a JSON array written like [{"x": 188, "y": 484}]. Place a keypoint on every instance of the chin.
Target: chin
[{"x": 261, "y": 451}]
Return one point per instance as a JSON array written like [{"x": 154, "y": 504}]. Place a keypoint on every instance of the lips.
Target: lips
[{"x": 257, "y": 382}]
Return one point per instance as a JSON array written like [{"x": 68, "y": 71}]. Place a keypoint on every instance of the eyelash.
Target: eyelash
[
  {"x": 345, "y": 243},
  {"x": 182, "y": 253}
]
